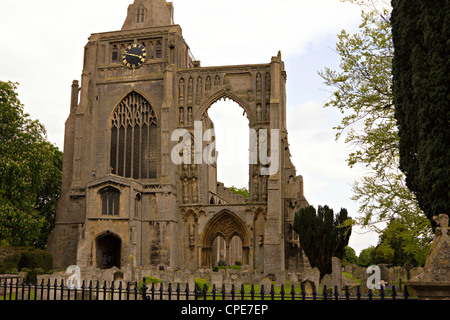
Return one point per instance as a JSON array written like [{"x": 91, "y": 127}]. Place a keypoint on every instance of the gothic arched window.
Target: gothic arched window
[
  {"x": 134, "y": 139},
  {"x": 110, "y": 201}
]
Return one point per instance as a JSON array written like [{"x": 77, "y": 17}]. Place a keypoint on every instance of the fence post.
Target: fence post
[
  {"x": 314, "y": 291},
  {"x": 169, "y": 291},
  {"x": 232, "y": 291},
  {"x": 55, "y": 290},
  {"x": 135, "y": 290},
  {"x": 83, "y": 286},
  {"x": 394, "y": 293},
  {"x": 112, "y": 290},
  {"x": 97, "y": 290},
  {"x": 144, "y": 290},
  {"x": 252, "y": 292},
  {"x": 282, "y": 292},
  {"x": 262, "y": 292},
  {"x": 120, "y": 290},
  {"x": 128, "y": 290},
  {"x": 223, "y": 292},
  {"x": 405, "y": 293},
  {"x": 90, "y": 290}
]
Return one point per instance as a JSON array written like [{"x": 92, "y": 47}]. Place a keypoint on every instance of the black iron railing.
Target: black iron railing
[{"x": 10, "y": 290}]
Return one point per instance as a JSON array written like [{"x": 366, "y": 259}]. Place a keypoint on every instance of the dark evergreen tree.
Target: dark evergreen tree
[
  {"x": 421, "y": 76},
  {"x": 322, "y": 235}
]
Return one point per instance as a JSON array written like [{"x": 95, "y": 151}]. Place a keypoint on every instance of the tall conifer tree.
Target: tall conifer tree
[{"x": 421, "y": 76}]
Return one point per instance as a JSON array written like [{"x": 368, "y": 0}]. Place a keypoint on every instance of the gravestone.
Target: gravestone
[
  {"x": 217, "y": 279},
  {"x": 384, "y": 273},
  {"x": 336, "y": 273},
  {"x": 327, "y": 280},
  {"x": 308, "y": 286},
  {"x": 311, "y": 274}
]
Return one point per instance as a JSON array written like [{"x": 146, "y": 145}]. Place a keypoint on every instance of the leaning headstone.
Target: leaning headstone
[{"x": 311, "y": 274}]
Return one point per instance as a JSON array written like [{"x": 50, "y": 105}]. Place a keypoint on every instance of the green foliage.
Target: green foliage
[
  {"x": 200, "y": 284},
  {"x": 398, "y": 246},
  {"x": 148, "y": 281},
  {"x": 362, "y": 93},
  {"x": 322, "y": 235},
  {"x": 242, "y": 191},
  {"x": 365, "y": 257},
  {"x": 31, "y": 261},
  {"x": 421, "y": 77},
  {"x": 36, "y": 259},
  {"x": 30, "y": 174},
  {"x": 383, "y": 254},
  {"x": 349, "y": 255}
]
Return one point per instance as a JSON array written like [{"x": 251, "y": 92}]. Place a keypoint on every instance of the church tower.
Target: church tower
[{"x": 125, "y": 201}]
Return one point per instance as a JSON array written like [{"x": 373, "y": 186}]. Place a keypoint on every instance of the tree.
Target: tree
[
  {"x": 365, "y": 257},
  {"x": 362, "y": 92},
  {"x": 421, "y": 77},
  {"x": 243, "y": 191},
  {"x": 30, "y": 174},
  {"x": 349, "y": 255},
  {"x": 322, "y": 235}
]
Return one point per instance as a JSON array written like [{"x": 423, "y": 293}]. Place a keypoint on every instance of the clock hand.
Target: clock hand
[{"x": 134, "y": 55}]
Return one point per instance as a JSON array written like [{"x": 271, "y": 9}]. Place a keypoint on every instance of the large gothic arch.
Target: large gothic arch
[
  {"x": 227, "y": 225},
  {"x": 225, "y": 94}
]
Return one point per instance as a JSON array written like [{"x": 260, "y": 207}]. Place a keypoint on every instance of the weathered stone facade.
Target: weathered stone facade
[{"x": 122, "y": 195}]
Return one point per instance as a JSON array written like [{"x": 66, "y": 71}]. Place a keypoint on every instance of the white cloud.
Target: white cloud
[{"x": 252, "y": 31}]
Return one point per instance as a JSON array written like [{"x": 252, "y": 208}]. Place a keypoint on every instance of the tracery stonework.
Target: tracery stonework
[{"x": 124, "y": 199}]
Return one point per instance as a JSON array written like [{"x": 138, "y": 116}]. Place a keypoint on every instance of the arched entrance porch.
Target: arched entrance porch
[
  {"x": 225, "y": 227},
  {"x": 108, "y": 250}
]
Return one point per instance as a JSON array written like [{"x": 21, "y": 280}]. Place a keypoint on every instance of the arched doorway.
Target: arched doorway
[
  {"x": 225, "y": 238},
  {"x": 108, "y": 251}
]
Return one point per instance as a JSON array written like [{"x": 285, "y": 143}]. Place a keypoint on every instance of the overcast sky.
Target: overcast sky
[{"x": 42, "y": 44}]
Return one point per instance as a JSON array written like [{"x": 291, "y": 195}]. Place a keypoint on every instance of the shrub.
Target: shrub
[
  {"x": 201, "y": 283},
  {"x": 10, "y": 263},
  {"x": 36, "y": 259},
  {"x": 148, "y": 281}
]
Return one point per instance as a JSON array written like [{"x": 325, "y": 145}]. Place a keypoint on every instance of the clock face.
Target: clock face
[{"x": 134, "y": 56}]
